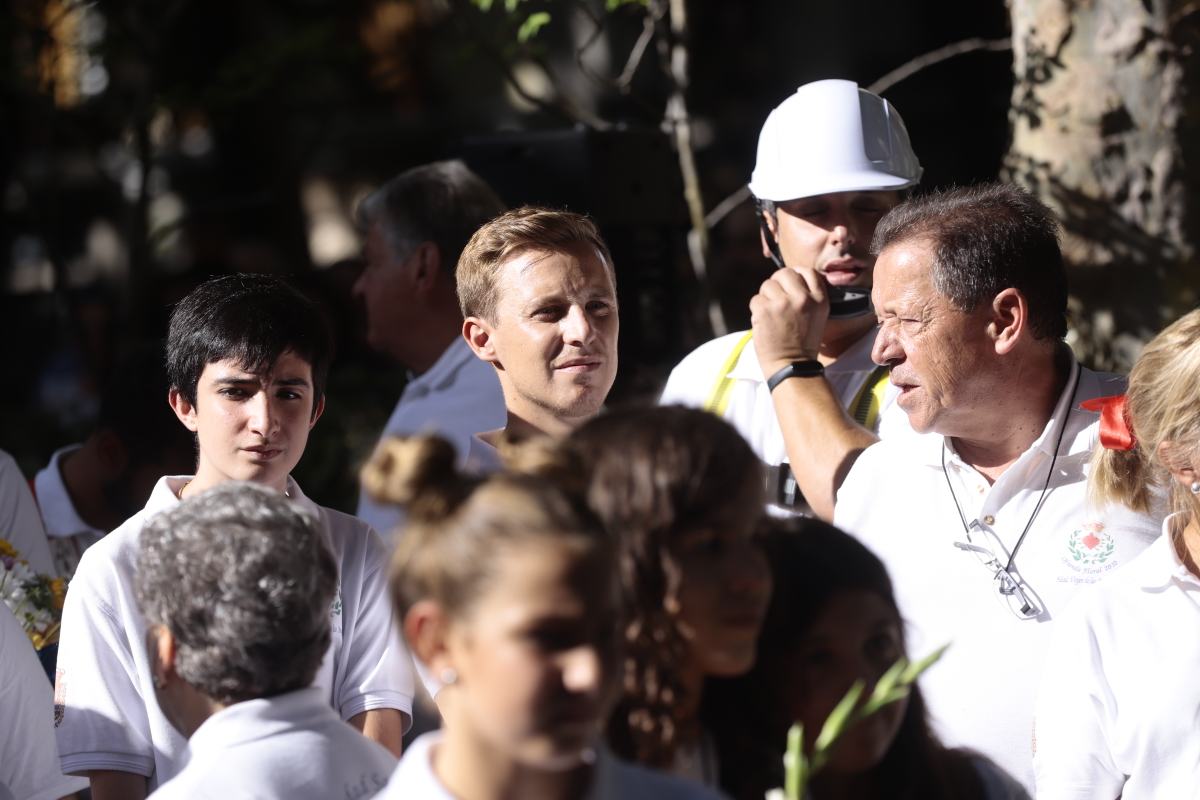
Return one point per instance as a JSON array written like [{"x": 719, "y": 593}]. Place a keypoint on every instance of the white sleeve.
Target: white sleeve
[
  {"x": 103, "y": 724},
  {"x": 375, "y": 670},
  {"x": 29, "y": 765},
  {"x": 1074, "y": 713},
  {"x": 20, "y": 520},
  {"x": 681, "y": 386}
]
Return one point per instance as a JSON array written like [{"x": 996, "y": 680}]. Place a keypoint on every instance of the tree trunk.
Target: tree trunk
[{"x": 1098, "y": 118}]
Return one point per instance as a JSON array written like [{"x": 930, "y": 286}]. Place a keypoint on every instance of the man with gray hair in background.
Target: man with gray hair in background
[
  {"x": 235, "y": 585},
  {"x": 416, "y": 225}
]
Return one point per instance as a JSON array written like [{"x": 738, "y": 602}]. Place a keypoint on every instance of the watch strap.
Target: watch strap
[{"x": 796, "y": 369}]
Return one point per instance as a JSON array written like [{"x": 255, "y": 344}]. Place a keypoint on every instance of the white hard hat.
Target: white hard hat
[{"x": 831, "y": 136}]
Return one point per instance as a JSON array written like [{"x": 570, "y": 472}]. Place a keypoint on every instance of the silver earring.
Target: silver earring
[
  {"x": 1195, "y": 487},
  {"x": 448, "y": 676}
]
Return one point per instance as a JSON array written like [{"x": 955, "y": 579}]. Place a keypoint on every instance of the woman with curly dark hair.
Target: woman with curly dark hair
[
  {"x": 683, "y": 493},
  {"x": 833, "y": 620}
]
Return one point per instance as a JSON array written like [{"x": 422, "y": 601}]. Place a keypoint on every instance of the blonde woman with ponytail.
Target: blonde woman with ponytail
[
  {"x": 1120, "y": 701},
  {"x": 506, "y": 588}
]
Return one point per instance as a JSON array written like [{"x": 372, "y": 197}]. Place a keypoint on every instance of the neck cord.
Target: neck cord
[{"x": 1045, "y": 486}]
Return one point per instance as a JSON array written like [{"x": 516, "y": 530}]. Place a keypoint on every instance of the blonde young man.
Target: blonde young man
[
  {"x": 832, "y": 160},
  {"x": 538, "y": 295}
]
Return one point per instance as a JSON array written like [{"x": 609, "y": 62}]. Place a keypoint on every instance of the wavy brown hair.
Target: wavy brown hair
[{"x": 653, "y": 474}]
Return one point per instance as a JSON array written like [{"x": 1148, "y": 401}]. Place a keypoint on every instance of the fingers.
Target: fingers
[{"x": 796, "y": 285}]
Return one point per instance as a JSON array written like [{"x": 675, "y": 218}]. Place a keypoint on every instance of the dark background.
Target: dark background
[{"x": 147, "y": 146}]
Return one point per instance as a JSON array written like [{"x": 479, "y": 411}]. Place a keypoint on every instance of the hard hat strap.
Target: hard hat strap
[{"x": 761, "y": 209}]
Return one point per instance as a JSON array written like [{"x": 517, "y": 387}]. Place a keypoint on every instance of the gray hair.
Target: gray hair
[
  {"x": 243, "y": 579},
  {"x": 443, "y": 202},
  {"x": 986, "y": 239}
]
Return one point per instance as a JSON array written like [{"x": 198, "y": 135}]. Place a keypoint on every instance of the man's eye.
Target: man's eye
[
  {"x": 233, "y": 391},
  {"x": 288, "y": 394},
  {"x": 599, "y": 307},
  {"x": 548, "y": 313}
]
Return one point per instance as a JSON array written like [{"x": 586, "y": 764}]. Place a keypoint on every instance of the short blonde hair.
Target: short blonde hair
[
  {"x": 1162, "y": 405},
  {"x": 510, "y": 234}
]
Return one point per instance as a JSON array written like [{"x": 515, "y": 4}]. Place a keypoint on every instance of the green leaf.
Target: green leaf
[
  {"x": 794, "y": 763},
  {"x": 888, "y": 681},
  {"x": 511, "y": 5},
  {"x": 483, "y": 5},
  {"x": 917, "y": 667},
  {"x": 532, "y": 24},
  {"x": 837, "y": 722},
  {"x": 613, "y": 5}
]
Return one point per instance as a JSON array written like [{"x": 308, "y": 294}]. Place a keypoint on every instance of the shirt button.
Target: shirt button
[{"x": 989, "y": 520}]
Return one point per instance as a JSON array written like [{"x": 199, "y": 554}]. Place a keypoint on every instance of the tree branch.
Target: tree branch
[
  {"x": 635, "y": 55},
  {"x": 910, "y": 68},
  {"x": 723, "y": 208}
]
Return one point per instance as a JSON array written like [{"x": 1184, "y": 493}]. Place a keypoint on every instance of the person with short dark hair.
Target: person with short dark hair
[
  {"x": 982, "y": 517},
  {"x": 416, "y": 225},
  {"x": 90, "y": 488},
  {"x": 235, "y": 585},
  {"x": 247, "y": 357}
]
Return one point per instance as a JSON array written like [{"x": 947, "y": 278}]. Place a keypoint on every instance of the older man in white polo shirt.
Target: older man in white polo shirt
[
  {"x": 982, "y": 519},
  {"x": 416, "y": 225}
]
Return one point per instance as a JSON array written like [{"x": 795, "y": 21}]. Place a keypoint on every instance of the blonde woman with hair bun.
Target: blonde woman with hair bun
[
  {"x": 506, "y": 588},
  {"x": 1119, "y": 702}
]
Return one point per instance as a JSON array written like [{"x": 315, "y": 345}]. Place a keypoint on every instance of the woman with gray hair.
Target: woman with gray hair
[{"x": 236, "y": 586}]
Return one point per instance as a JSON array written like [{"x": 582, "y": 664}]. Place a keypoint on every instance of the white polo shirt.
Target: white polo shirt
[
  {"x": 456, "y": 398},
  {"x": 614, "y": 779},
  {"x": 288, "y": 747},
  {"x": 750, "y": 409},
  {"x": 20, "y": 522},
  {"x": 107, "y": 717},
  {"x": 1119, "y": 702},
  {"x": 29, "y": 767},
  {"x": 896, "y": 499},
  {"x": 66, "y": 531}
]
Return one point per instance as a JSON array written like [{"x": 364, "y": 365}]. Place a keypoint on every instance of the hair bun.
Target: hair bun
[{"x": 417, "y": 472}]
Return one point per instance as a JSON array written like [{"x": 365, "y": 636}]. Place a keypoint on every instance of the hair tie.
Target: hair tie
[{"x": 1115, "y": 431}]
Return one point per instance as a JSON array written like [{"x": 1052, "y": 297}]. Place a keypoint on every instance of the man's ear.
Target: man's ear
[
  {"x": 318, "y": 410},
  {"x": 426, "y": 629},
  {"x": 161, "y": 647},
  {"x": 426, "y": 263},
  {"x": 183, "y": 408},
  {"x": 1010, "y": 319},
  {"x": 478, "y": 333}
]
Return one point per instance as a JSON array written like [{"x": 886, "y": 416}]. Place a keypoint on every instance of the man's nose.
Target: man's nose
[
  {"x": 577, "y": 326},
  {"x": 886, "y": 351},
  {"x": 262, "y": 415}
]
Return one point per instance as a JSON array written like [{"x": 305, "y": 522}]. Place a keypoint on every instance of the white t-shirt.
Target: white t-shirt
[
  {"x": 109, "y": 719},
  {"x": 20, "y": 522},
  {"x": 29, "y": 767},
  {"x": 614, "y": 779},
  {"x": 1120, "y": 699},
  {"x": 289, "y": 747},
  {"x": 897, "y": 501},
  {"x": 68, "y": 534},
  {"x": 456, "y": 398},
  {"x": 750, "y": 409}
]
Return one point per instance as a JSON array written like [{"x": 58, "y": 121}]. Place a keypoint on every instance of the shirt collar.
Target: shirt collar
[
  {"x": 446, "y": 366},
  {"x": 166, "y": 494},
  {"x": 1079, "y": 386},
  {"x": 258, "y": 719},
  {"x": 1161, "y": 565},
  {"x": 54, "y": 502}
]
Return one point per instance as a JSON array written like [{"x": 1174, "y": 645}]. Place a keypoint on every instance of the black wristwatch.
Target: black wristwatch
[{"x": 796, "y": 369}]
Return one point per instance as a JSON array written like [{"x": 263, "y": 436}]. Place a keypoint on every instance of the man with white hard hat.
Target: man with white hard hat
[{"x": 832, "y": 160}]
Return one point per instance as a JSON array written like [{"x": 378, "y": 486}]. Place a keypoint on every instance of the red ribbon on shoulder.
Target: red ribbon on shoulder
[{"x": 1115, "y": 431}]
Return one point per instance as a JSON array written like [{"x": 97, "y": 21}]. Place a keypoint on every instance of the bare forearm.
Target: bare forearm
[
  {"x": 111, "y": 785},
  {"x": 383, "y": 725},
  {"x": 821, "y": 439}
]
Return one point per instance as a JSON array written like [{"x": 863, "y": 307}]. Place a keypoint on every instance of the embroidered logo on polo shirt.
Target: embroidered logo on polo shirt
[
  {"x": 1090, "y": 546},
  {"x": 335, "y": 611}
]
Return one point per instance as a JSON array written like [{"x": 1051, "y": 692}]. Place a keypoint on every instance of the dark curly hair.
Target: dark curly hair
[
  {"x": 653, "y": 474},
  {"x": 812, "y": 562}
]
